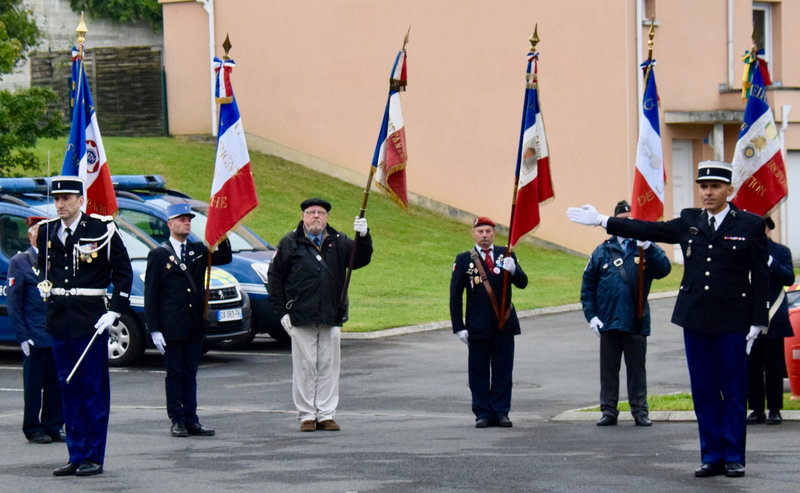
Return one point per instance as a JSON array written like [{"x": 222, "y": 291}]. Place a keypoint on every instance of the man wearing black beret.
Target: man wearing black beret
[{"x": 305, "y": 279}]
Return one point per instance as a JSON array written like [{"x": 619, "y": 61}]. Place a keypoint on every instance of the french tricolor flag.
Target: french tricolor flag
[
  {"x": 533, "y": 162},
  {"x": 85, "y": 156},
  {"x": 759, "y": 173},
  {"x": 233, "y": 191},
  {"x": 650, "y": 177}
]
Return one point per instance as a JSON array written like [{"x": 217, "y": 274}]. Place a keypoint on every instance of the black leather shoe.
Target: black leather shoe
[
  {"x": 197, "y": 430},
  {"x": 642, "y": 420},
  {"x": 178, "y": 430},
  {"x": 709, "y": 469},
  {"x": 89, "y": 468},
  {"x": 734, "y": 470},
  {"x": 756, "y": 418},
  {"x": 774, "y": 418},
  {"x": 504, "y": 422},
  {"x": 481, "y": 423},
  {"x": 67, "y": 469},
  {"x": 58, "y": 436},
  {"x": 40, "y": 437},
  {"x": 607, "y": 420}
]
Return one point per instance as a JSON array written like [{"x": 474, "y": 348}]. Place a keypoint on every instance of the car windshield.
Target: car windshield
[
  {"x": 136, "y": 242},
  {"x": 793, "y": 298}
]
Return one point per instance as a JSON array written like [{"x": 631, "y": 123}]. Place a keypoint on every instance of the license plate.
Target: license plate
[{"x": 228, "y": 315}]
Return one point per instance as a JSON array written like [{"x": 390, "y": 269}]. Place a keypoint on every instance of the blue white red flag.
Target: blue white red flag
[
  {"x": 390, "y": 156},
  {"x": 650, "y": 177},
  {"x": 759, "y": 172},
  {"x": 85, "y": 156},
  {"x": 535, "y": 185},
  {"x": 233, "y": 190}
]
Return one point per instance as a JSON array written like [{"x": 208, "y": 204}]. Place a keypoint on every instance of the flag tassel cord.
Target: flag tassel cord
[{"x": 346, "y": 285}]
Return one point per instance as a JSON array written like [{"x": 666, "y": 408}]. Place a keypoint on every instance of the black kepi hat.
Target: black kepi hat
[
  {"x": 66, "y": 184},
  {"x": 315, "y": 201},
  {"x": 714, "y": 171},
  {"x": 622, "y": 206}
]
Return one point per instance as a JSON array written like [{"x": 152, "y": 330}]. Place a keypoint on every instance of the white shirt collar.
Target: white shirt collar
[
  {"x": 480, "y": 250},
  {"x": 719, "y": 216},
  {"x": 176, "y": 245}
]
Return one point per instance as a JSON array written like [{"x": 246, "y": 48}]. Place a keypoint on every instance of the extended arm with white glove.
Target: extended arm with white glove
[
  {"x": 360, "y": 226},
  {"x": 106, "y": 321},
  {"x": 588, "y": 215}
]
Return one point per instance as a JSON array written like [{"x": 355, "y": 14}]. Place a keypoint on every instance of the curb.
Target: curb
[{"x": 431, "y": 326}]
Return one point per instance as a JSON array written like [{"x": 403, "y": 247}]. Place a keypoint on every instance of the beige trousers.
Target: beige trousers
[{"x": 315, "y": 371}]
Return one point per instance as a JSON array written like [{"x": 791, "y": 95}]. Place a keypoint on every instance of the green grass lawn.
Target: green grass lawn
[
  {"x": 408, "y": 280},
  {"x": 683, "y": 402}
]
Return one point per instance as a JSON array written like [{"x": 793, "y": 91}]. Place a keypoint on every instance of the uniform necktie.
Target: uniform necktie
[
  {"x": 317, "y": 242},
  {"x": 712, "y": 223},
  {"x": 68, "y": 238},
  {"x": 487, "y": 257},
  {"x": 183, "y": 252}
]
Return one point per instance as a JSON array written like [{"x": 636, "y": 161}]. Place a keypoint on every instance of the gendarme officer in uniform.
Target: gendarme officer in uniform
[
  {"x": 722, "y": 306},
  {"x": 79, "y": 256},
  {"x": 174, "y": 296}
]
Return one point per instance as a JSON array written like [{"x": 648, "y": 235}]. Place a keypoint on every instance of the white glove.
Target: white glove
[
  {"x": 286, "y": 322},
  {"x": 106, "y": 321},
  {"x": 644, "y": 244},
  {"x": 509, "y": 265},
  {"x": 463, "y": 335},
  {"x": 587, "y": 215},
  {"x": 751, "y": 336},
  {"x": 26, "y": 347},
  {"x": 158, "y": 341},
  {"x": 42, "y": 292},
  {"x": 769, "y": 262},
  {"x": 360, "y": 226},
  {"x": 595, "y": 324}
]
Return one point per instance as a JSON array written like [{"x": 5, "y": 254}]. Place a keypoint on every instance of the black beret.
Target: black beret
[
  {"x": 770, "y": 222},
  {"x": 315, "y": 201},
  {"x": 622, "y": 206}
]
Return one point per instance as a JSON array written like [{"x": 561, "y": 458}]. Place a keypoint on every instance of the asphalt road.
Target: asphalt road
[{"x": 406, "y": 425}]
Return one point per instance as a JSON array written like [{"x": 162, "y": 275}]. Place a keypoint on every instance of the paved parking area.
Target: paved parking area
[{"x": 406, "y": 425}]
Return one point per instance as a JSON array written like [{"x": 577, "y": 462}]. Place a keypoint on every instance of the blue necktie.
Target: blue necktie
[
  {"x": 317, "y": 241},
  {"x": 183, "y": 253}
]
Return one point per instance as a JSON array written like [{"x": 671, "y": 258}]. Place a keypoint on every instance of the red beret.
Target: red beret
[
  {"x": 483, "y": 221},
  {"x": 33, "y": 220}
]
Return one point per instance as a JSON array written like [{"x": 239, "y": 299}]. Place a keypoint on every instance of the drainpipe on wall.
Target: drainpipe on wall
[
  {"x": 730, "y": 44},
  {"x": 784, "y": 207},
  {"x": 208, "y": 5}
]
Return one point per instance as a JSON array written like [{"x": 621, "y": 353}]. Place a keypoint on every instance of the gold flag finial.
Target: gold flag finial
[
  {"x": 226, "y": 45},
  {"x": 651, "y": 35},
  {"x": 534, "y": 39},
  {"x": 81, "y": 30},
  {"x": 405, "y": 40}
]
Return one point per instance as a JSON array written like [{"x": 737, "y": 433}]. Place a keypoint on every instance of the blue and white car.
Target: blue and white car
[
  {"x": 229, "y": 306},
  {"x": 143, "y": 201}
]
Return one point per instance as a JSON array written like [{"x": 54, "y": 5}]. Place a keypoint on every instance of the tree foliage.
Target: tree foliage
[
  {"x": 147, "y": 11},
  {"x": 24, "y": 115}
]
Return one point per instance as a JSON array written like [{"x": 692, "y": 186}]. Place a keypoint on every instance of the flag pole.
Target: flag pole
[
  {"x": 640, "y": 267},
  {"x": 349, "y": 272},
  {"x": 534, "y": 40}
]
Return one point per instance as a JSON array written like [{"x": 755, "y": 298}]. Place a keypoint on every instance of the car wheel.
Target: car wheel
[{"x": 126, "y": 342}]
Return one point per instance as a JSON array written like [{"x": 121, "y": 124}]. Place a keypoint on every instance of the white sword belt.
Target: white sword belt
[{"x": 78, "y": 292}]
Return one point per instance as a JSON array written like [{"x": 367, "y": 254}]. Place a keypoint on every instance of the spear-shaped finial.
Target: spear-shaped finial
[
  {"x": 405, "y": 40},
  {"x": 534, "y": 39},
  {"x": 81, "y": 30},
  {"x": 226, "y": 45},
  {"x": 651, "y": 35}
]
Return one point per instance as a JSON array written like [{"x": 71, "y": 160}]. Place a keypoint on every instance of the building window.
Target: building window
[{"x": 762, "y": 28}]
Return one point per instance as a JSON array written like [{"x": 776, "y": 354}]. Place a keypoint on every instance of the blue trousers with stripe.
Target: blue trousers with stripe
[{"x": 718, "y": 374}]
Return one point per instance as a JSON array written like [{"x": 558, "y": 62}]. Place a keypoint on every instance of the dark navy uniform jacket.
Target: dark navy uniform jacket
[
  {"x": 781, "y": 274},
  {"x": 71, "y": 317},
  {"x": 26, "y": 309},
  {"x": 172, "y": 305},
  {"x": 481, "y": 322},
  {"x": 725, "y": 277}
]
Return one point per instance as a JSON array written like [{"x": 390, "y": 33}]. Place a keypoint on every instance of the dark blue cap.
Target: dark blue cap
[
  {"x": 66, "y": 184},
  {"x": 179, "y": 209}
]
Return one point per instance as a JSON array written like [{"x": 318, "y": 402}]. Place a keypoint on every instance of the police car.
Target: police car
[
  {"x": 143, "y": 200},
  {"x": 229, "y": 307}
]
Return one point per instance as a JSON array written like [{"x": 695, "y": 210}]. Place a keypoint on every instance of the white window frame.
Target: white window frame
[{"x": 767, "y": 9}]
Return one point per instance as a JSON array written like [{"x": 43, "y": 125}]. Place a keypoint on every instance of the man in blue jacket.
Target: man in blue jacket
[
  {"x": 27, "y": 311},
  {"x": 609, "y": 295},
  {"x": 765, "y": 366}
]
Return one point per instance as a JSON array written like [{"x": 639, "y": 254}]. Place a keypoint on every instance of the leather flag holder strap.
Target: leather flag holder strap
[{"x": 476, "y": 259}]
